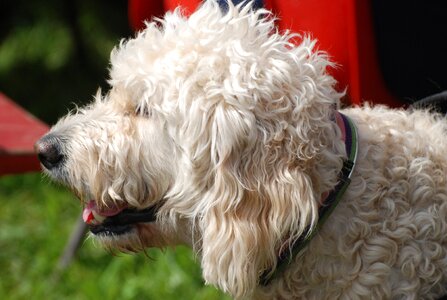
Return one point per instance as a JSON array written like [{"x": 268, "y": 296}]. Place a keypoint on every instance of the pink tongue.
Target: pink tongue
[{"x": 90, "y": 210}]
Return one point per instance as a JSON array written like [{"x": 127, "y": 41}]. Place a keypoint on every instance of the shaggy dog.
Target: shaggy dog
[{"x": 219, "y": 132}]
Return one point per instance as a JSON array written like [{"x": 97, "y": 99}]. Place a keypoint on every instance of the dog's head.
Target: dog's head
[{"x": 215, "y": 132}]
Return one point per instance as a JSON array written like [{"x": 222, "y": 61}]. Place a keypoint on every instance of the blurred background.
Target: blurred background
[{"x": 53, "y": 54}]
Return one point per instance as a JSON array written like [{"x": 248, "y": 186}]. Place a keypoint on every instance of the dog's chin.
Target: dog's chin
[
  {"x": 129, "y": 238},
  {"x": 111, "y": 230}
]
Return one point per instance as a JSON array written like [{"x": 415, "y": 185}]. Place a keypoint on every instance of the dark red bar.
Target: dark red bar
[{"x": 19, "y": 130}]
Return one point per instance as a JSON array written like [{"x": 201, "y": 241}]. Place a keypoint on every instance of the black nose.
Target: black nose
[{"x": 49, "y": 152}]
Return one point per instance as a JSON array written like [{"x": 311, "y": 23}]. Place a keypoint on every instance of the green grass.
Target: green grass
[{"x": 36, "y": 220}]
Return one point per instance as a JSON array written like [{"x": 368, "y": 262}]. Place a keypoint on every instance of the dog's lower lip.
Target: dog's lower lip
[
  {"x": 124, "y": 221},
  {"x": 110, "y": 230}
]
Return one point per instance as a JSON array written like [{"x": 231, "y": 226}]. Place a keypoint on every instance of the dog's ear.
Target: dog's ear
[{"x": 258, "y": 201}]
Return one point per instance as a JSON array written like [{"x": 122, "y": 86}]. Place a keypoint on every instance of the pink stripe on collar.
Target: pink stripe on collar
[{"x": 341, "y": 125}]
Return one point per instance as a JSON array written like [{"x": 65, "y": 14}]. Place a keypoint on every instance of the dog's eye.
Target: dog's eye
[{"x": 143, "y": 111}]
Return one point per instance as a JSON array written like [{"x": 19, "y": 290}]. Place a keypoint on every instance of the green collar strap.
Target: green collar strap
[{"x": 330, "y": 201}]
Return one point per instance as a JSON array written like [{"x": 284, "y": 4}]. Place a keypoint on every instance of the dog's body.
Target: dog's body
[
  {"x": 387, "y": 237},
  {"x": 225, "y": 130}
]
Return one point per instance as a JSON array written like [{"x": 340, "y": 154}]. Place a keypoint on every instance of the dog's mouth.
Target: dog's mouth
[{"x": 116, "y": 220}]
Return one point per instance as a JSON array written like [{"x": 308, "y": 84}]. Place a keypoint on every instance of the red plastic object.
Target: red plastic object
[
  {"x": 188, "y": 5},
  {"x": 343, "y": 29},
  {"x": 18, "y": 132},
  {"x": 140, "y": 11},
  {"x": 145, "y": 10}
]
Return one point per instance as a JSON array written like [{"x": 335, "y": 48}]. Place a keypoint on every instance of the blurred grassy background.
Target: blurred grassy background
[
  {"x": 36, "y": 219},
  {"x": 53, "y": 54}
]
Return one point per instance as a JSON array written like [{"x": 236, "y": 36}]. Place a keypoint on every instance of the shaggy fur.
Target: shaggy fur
[{"x": 228, "y": 125}]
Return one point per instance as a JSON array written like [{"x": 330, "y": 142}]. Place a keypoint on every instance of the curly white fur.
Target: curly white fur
[{"x": 229, "y": 125}]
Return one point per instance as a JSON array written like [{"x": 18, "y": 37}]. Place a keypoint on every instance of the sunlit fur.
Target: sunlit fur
[{"x": 228, "y": 125}]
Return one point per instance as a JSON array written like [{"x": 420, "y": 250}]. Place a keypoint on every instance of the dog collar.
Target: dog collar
[{"x": 329, "y": 200}]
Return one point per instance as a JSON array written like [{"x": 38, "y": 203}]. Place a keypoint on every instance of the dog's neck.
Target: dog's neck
[{"x": 329, "y": 201}]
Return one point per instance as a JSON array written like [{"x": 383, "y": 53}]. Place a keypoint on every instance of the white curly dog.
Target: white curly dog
[{"x": 221, "y": 133}]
